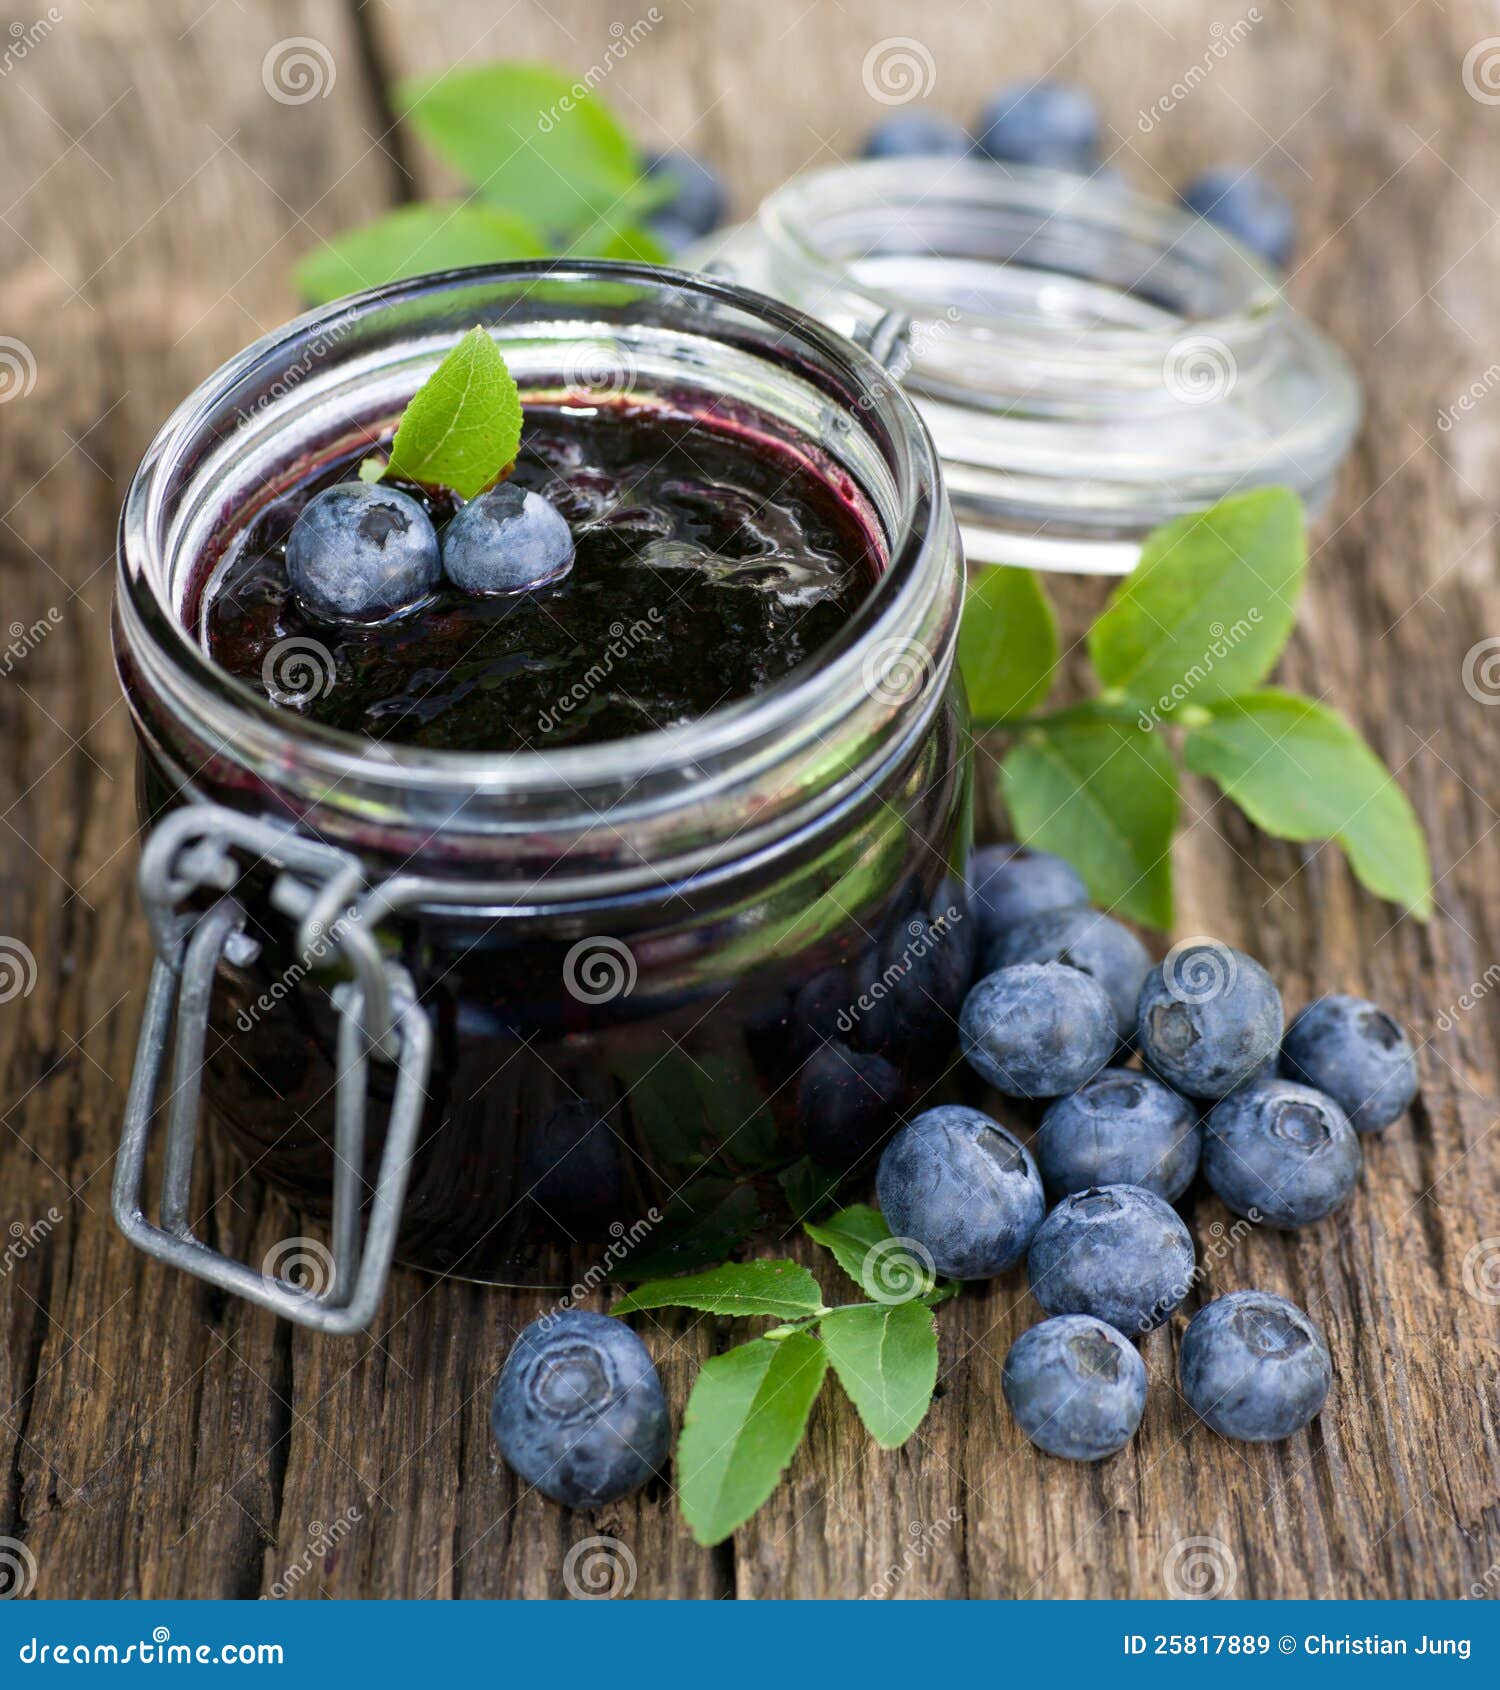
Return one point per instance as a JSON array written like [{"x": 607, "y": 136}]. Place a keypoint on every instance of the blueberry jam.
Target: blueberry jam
[{"x": 709, "y": 564}]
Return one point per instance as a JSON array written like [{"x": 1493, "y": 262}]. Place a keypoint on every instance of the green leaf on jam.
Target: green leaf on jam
[
  {"x": 463, "y": 426},
  {"x": 536, "y": 141},
  {"x": 780, "y": 1289},
  {"x": 886, "y": 1359},
  {"x": 1100, "y": 789},
  {"x": 412, "y": 241},
  {"x": 1299, "y": 771},
  {"x": 1007, "y": 644},
  {"x": 743, "y": 1422}
]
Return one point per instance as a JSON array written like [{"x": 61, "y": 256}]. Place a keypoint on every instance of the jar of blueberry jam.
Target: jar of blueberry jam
[{"x": 542, "y": 933}]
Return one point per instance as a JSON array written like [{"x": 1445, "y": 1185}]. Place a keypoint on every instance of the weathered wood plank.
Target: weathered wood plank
[{"x": 154, "y": 1440}]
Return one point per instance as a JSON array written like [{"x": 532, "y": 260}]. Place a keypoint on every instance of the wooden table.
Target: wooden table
[{"x": 158, "y": 1440}]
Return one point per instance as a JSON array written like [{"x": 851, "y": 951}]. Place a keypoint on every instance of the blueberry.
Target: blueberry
[
  {"x": 1281, "y": 1153},
  {"x": 1248, "y": 208},
  {"x": 505, "y": 541},
  {"x": 1117, "y": 1252},
  {"x": 1209, "y": 1017},
  {"x": 572, "y": 1169},
  {"x": 1119, "y": 1129},
  {"x": 1052, "y": 123},
  {"x": 1037, "y": 1030},
  {"x": 698, "y": 201},
  {"x": 1357, "y": 1054},
  {"x": 675, "y": 235},
  {"x": 1007, "y": 883},
  {"x": 579, "y": 1411},
  {"x": 1254, "y": 1366},
  {"x": 360, "y": 553},
  {"x": 847, "y": 1100},
  {"x": 917, "y": 132},
  {"x": 1075, "y": 1386},
  {"x": 1096, "y": 945},
  {"x": 964, "y": 1188}
]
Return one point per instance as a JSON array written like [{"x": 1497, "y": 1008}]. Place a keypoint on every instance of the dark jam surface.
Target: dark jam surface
[{"x": 710, "y": 562}]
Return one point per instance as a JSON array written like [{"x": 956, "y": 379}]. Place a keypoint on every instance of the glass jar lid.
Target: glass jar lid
[{"x": 1091, "y": 362}]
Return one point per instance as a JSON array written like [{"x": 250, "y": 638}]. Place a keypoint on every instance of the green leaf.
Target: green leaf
[
  {"x": 808, "y": 1187},
  {"x": 1299, "y": 771},
  {"x": 533, "y": 140},
  {"x": 886, "y": 1359},
  {"x": 702, "y": 1224},
  {"x": 621, "y": 242},
  {"x": 1007, "y": 643},
  {"x": 782, "y": 1289},
  {"x": 412, "y": 241},
  {"x": 1101, "y": 791},
  {"x": 463, "y": 424},
  {"x": 850, "y": 1234},
  {"x": 741, "y": 1428},
  {"x": 1206, "y": 611}
]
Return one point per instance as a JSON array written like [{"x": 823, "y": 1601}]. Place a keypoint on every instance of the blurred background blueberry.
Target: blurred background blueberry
[
  {"x": 1247, "y": 207},
  {"x": 1051, "y": 123},
  {"x": 698, "y": 201},
  {"x": 917, "y": 132}
]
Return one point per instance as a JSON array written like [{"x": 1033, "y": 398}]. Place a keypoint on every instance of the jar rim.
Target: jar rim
[
  {"x": 920, "y": 547},
  {"x": 790, "y": 214}
]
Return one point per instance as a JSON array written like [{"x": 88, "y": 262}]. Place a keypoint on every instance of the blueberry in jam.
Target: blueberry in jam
[
  {"x": 506, "y": 541},
  {"x": 361, "y": 553},
  {"x": 708, "y": 564}
]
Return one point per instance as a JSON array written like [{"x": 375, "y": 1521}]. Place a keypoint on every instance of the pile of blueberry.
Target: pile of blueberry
[
  {"x": 1067, "y": 997},
  {"x": 1057, "y": 124},
  {"x": 362, "y": 553}
]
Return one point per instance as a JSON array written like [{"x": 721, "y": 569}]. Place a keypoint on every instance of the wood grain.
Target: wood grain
[{"x": 156, "y": 1440}]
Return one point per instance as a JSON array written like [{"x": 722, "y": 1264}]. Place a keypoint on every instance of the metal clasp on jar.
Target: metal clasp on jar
[{"x": 321, "y": 889}]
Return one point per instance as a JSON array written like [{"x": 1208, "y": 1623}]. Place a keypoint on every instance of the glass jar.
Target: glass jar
[
  {"x": 489, "y": 1010},
  {"x": 1091, "y": 362}
]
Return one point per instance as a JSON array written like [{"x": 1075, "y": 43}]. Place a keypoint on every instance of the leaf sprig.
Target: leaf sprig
[
  {"x": 548, "y": 171},
  {"x": 1180, "y": 653},
  {"x": 749, "y": 1407}
]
